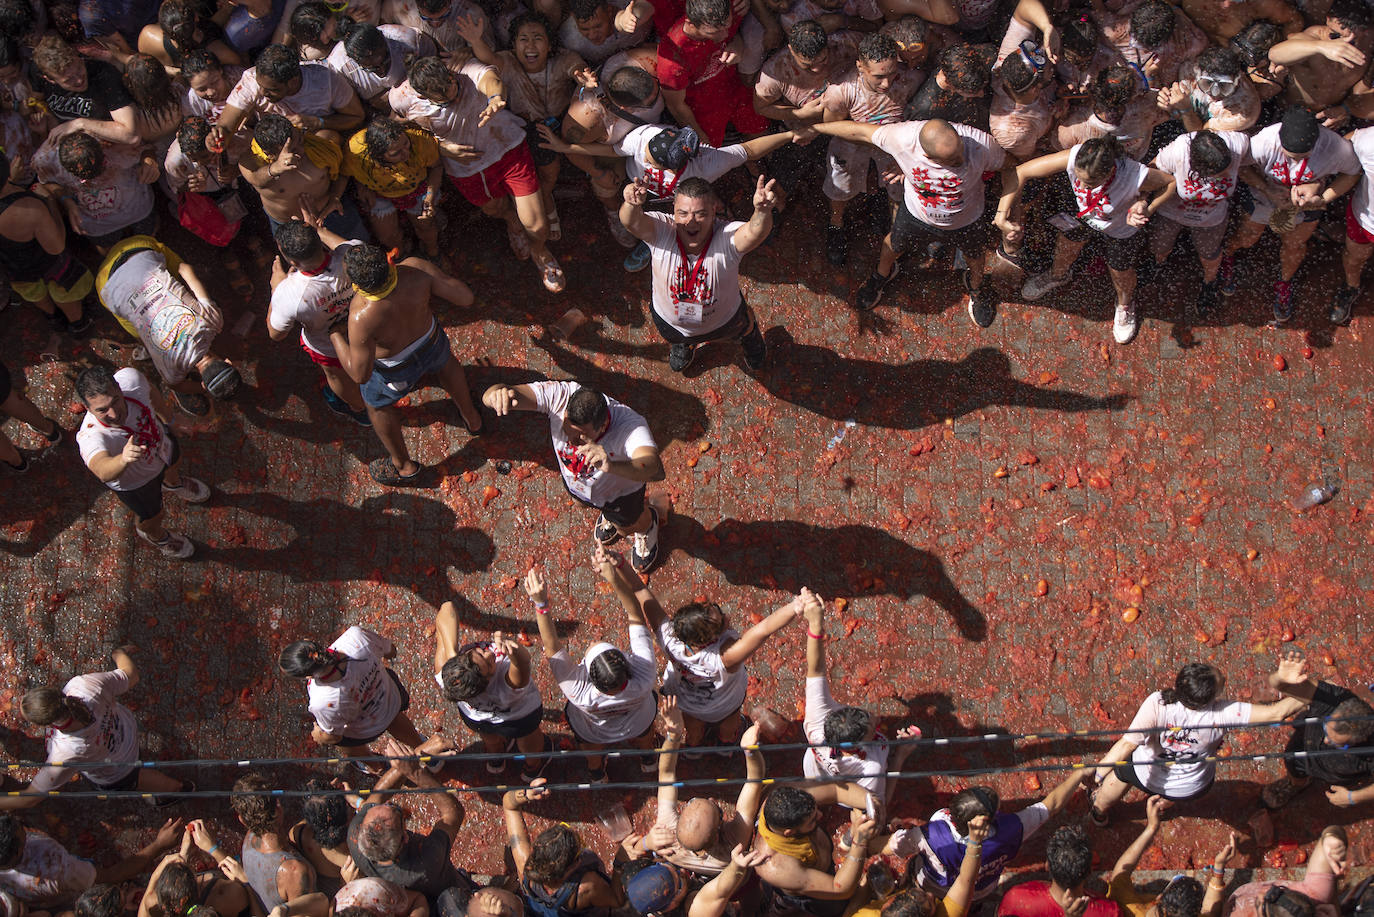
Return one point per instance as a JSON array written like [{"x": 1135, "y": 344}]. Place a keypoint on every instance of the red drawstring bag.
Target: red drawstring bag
[{"x": 201, "y": 215}]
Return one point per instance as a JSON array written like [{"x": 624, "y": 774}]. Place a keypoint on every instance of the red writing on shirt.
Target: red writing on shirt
[
  {"x": 1200, "y": 192},
  {"x": 935, "y": 191},
  {"x": 682, "y": 289},
  {"x": 579, "y": 467},
  {"x": 1286, "y": 173}
]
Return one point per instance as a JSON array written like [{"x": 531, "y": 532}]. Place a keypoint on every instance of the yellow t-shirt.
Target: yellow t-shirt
[
  {"x": 1123, "y": 891},
  {"x": 392, "y": 179},
  {"x": 942, "y": 909}
]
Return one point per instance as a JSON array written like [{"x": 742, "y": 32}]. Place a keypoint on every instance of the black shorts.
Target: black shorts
[
  {"x": 1122, "y": 254},
  {"x": 146, "y": 501},
  {"x": 6, "y": 383},
  {"x": 737, "y": 327},
  {"x": 128, "y": 782},
  {"x": 1127, "y": 775},
  {"x": 507, "y": 729},
  {"x": 405, "y": 705},
  {"x": 907, "y": 231},
  {"x": 622, "y": 511}
]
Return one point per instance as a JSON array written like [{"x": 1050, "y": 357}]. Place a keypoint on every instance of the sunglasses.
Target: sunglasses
[
  {"x": 910, "y": 45},
  {"x": 1217, "y": 85}
]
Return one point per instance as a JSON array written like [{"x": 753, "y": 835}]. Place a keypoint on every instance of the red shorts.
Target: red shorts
[
  {"x": 318, "y": 358},
  {"x": 1353, "y": 230},
  {"x": 512, "y": 175},
  {"x": 721, "y": 104}
]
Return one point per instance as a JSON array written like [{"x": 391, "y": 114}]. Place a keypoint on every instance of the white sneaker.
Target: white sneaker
[
  {"x": 1040, "y": 284},
  {"x": 174, "y": 545},
  {"x": 618, "y": 230},
  {"x": 190, "y": 489},
  {"x": 1125, "y": 324},
  {"x": 645, "y": 550}
]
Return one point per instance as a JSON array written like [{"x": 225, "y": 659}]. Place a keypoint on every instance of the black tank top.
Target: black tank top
[{"x": 25, "y": 262}]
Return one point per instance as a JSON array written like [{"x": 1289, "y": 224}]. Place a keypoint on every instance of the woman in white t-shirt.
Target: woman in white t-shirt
[
  {"x": 1205, "y": 165},
  {"x": 610, "y": 694},
  {"x": 491, "y": 684},
  {"x": 1112, "y": 202},
  {"x": 355, "y": 696},
  {"x": 86, "y": 723},
  {"x": 1173, "y": 734}
]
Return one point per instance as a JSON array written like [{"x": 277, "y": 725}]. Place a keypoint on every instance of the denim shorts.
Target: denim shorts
[{"x": 389, "y": 384}]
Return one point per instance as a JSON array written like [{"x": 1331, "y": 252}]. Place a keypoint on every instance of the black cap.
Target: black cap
[
  {"x": 674, "y": 147},
  {"x": 1299, "y": 131}
]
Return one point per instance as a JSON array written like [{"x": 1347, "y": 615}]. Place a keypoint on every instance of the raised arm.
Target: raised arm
[
  {"x": 517, "y": 835},
  {"x": 539, "y": 595},
  {"x": 1061, "y": 794},
  {"x": 124, "y": 661},
  {"x": 632, "y": 215},
  {"x": 608, "y": 566},
  {"x": 961, "y": 892},
  {"x": 1291, "y": 677},
  {"x": 1130, "y": 857},
  {"x": 752, "y": 234},
  {"x": 715, "y": 895},
  {"x": 1216, "y": 879},
  {"x": 750, "y": 797},
  {"x": 813, "y": 609},
  {"x": 753, "y": 638}
]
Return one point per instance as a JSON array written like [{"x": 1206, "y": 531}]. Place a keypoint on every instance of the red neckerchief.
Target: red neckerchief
[
  {"x": 328, "y": 260},
  {"x": 694, "y": 272},
  {"x": 1093, "y": 199},
  {"x": 1287, "y": 178}
]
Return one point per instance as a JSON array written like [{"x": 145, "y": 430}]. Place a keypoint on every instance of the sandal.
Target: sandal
[
  {"x": 481, "y": 428},
  {"x": 53, "y": 438},
  {"x": 519, "y": 243},
  {"x": 384, "y": 471},
  {"x": 191, "y": 403},
  {"x": 1281, "y": 792},
  {"x": 552, "y": 276}
]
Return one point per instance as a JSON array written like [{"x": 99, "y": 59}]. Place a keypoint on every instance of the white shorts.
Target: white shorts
[{"x": 847, "y": 176}]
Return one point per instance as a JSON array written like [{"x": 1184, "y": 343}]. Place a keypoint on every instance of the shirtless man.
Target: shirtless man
[
  {"x": 393, "y": 342},
  {"x": 1222, "y": 19},
  {"x": 294, "y": 172},
  {"x": 1325, "y": 62},
  {"x": 799, "y": 869}
]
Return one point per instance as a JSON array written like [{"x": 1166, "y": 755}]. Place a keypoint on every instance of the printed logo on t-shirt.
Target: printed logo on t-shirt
[
  {"x": 577, "y": 465},
  {"x": 1286, "y": 172},
  {"x": 1201, "y": 193},
  {"x": 939, "y": 192},
  {"x": 683, "y": 290},
  {"x": 99, "y": 202},
  {"x": 1178, "y": 742}
]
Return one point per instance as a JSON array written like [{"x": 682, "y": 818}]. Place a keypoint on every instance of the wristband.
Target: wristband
[
  {"x": 541, "y": 609},
  {"x": 492, "y": 98},
  {"x": 211, "y": 851},
  {"x": 814, "y": 636}
]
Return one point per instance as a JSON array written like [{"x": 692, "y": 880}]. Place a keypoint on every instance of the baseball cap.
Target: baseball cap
[{"x": 652, "y": 889}]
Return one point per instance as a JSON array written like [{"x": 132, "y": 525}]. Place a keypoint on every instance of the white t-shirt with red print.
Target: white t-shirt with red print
[
  {"x": 140, "y": 424},
  {"x": 1331, "y": 154},
  {"x": 1105, "y": 208},
  {"x": 695, "y": 293},
  {"x": 1200, "y": 200},
  {"x": 627, "y": 434},
  {"x": 947, "y": 198},
  {"x": 1187, "y": 736},
  {"x": 364, "y": 699}
]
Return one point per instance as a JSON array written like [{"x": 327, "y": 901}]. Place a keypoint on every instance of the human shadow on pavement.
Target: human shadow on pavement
[
  {"x": 771, "y": 554},
  {"x": 908, "y": 396},
  {"x": 332, "y": 540}
]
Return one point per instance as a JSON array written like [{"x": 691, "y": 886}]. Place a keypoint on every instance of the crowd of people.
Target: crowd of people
[{"x": 989, "y": 136}]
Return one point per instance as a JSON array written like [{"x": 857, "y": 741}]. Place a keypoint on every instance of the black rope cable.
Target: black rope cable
[{"x": 1364, "y": 751}]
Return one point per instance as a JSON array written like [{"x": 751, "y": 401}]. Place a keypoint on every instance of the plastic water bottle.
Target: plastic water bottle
[
  {"x": 841, "y": 433},
  {"x": 1314, "y": 495}
]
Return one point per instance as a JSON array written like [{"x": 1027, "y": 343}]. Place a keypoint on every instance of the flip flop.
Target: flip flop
[
  {"x": 383, "y": 471},
  {"x": 552, "y": 276}
]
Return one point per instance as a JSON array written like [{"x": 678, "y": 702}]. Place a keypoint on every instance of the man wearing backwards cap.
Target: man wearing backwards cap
[
  {"x": 696, "y": 294},
  {"x": 661, "y": 157},
  {"x": 158, "y": 299},
  {"x": 393, "y": 342},
  {"x": 1290, "y": 163},
  {"x": 659, "y": 889}
]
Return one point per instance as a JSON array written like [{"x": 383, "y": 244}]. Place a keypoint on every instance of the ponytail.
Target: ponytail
[{"x": 304, "y": 658}]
